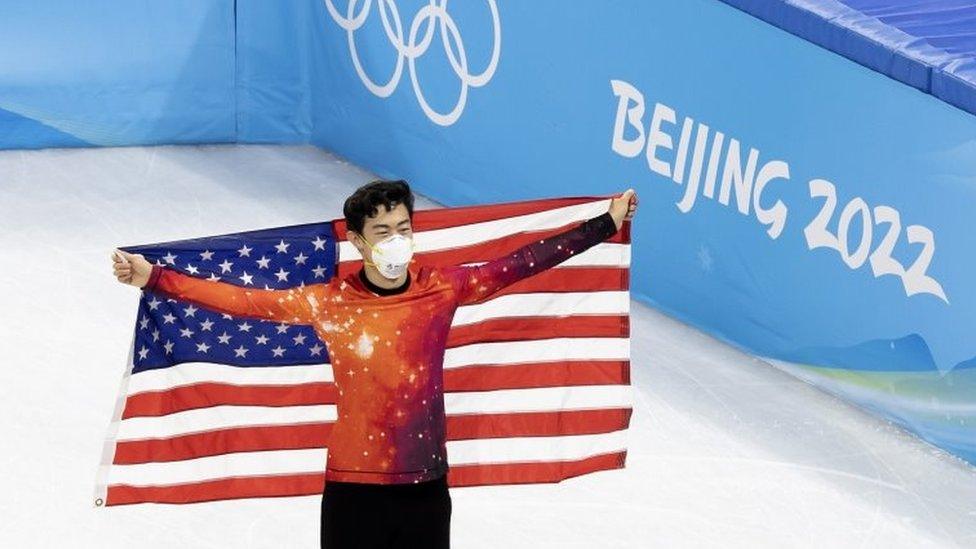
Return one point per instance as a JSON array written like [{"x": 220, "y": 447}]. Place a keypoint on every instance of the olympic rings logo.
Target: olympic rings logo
[{"x": 433, "y": 12}]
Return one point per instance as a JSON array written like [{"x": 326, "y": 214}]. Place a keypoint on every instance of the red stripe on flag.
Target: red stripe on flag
[
  {"x": 290, "y": 437},
  {"x": 532, "y": 424},
  {"x": 538, "y": 327},
  {"x": 442, "y": 218},
  {"x": 223, "y": 441},
  {"x": 230, "y": 488},
  {"x": 467, "y": 378},
  {"x": 535, "y": 472},
  {"x": 570, "y": 279},
  {"x": 487, "y": 377},
  {"x": 491, "y": 249},
  {"x": 314, "y": 483},
  {"x": 205, "y": 395}
]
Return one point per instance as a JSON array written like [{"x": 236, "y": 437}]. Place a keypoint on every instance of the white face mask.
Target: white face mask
[{"x": 391, "y": 255}]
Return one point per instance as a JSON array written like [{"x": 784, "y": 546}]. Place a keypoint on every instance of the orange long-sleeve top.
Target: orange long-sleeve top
[{"x": 386, "y": 351}]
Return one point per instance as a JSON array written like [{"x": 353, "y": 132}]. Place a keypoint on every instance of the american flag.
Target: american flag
[{"x": 537, "y": 378}]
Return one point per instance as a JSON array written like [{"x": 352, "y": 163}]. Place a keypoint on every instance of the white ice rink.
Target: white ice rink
[{"x": 724, "y": 451}]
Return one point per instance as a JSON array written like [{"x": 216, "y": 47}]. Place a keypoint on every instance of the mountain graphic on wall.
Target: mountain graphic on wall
[{"x": 907, "y": 354}]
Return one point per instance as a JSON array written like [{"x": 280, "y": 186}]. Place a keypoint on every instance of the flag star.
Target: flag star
[
  {"x": 156, "y": 335},
  {"x": 168, "y": 346},
  {"x": 226, "y": 316},
  {"x": 189, "y": 311},
  {"x": 282, "y": 247},
  {"x": 186, "y": 332},
  {"x": 225, "y": 266},
  {"x": 143, "y": 353},
  {"x": 319, "y": 243},
  {"x": 316, "y": 349},
  {"x": 299, "y": 339},
  {"x": 301, "y": 285},
  {"x": 245, "y": 251},
  {"x": 224, "y": 338},
  {"x": 170, "y": 258},
  {"x": 202, "y": 347},
  {"x": 206, "y": 255},
  {"x": 160, "y": 262},
  {"x": 278, "y": 351},
  {"x": 263, "y": 262},
  {"x": 191, "y": 269},
  {"x": 244, "y": 327},
  {"x": 213, "y": 277},
  {"x": 168, "y": 318},
  {"x": 154, "y": 303},
  {"x": 319, "y": 271},
  {"x": 300, "y": 258},
  {"x": 266, "y": 287},
  {"x": 282, "y": 328},
  {"x": 240, "y": 351},
  {"x": 282, "y": 275},
  {"x": 144, "y": 323},
  {"x": 206, "y": 325},
  {"x": 247, "y": 278},
  {"x": 261, "y": 339},
  {"x": 170, "y": 300}
]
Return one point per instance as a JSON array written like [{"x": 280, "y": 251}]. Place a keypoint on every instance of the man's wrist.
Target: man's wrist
[
  {"x": 153, "y": 277},
  {"x": 606, "y": 224}
]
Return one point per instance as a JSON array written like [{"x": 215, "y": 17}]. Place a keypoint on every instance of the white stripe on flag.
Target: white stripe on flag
[
  {"x": 222, "y": 417},
  {"x": 539, "y": 399},
  {"x": 459, "y": 236},
  {"x": 191, "y": 373},
  {"x": 240, "y": 464},
  {"x": 604, "y": 254},
  {"x": 535, "y": 399},
  {"x": 503, "y": 352},
  {"x": 538, "y": 350},
  {"x": 538, "y": 449},
  {"x": 545, "y": 304}
]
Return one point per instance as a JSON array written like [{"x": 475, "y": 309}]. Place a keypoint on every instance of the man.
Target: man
[{"x": 385, "y": 329}]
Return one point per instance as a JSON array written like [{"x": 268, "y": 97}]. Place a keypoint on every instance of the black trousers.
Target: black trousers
[{"x": 382, "y": 516}]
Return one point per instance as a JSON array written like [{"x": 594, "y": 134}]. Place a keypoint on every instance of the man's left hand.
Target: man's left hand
[{"x": 623, "y": 207}]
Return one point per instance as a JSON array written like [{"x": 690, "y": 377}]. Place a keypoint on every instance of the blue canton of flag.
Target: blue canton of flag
[{"x": 168, "y": 331}]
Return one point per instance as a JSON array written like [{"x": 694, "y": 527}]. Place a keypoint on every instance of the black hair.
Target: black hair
[{"x": 367, "y": 200}]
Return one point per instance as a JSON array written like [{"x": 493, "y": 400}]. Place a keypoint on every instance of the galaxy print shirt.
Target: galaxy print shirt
[{"x": 386, "y": 351}]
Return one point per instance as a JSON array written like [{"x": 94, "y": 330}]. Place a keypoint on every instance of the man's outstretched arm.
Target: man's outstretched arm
[
  {"x": 292, "y": 306},
  {"x": 474, "y": 284}
]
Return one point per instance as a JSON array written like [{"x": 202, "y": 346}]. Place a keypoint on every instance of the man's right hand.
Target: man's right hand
[{"x": 133, "y": 269}]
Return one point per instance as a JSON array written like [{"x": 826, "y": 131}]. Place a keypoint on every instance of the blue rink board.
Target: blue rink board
[{"x": 927, "y": 44}]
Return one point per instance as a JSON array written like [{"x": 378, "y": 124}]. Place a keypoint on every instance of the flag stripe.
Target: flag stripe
[
  {"x": 441, "y": 218},
  {"x": 312, "y": 484},
  {"x": 538, "y": 350},
  {"x": 471, "y": 378},
  {"x": 533, "y": 399},
  {"x": 469, "y": 234},
  {"x": 553, "y": 304},
  {"x": 250, "y": 439},
  {"x": 277, "y": 462},
  {"x": 539, "y": 327},
  {"x": 525, "y": 473},
  {"x": 509, "y": 352}
]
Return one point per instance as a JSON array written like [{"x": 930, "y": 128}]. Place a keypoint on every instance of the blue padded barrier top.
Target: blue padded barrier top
[{"x": 927, "y": 44}]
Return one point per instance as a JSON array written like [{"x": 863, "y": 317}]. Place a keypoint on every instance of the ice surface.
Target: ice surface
[{"x": 725, "y": 450}]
